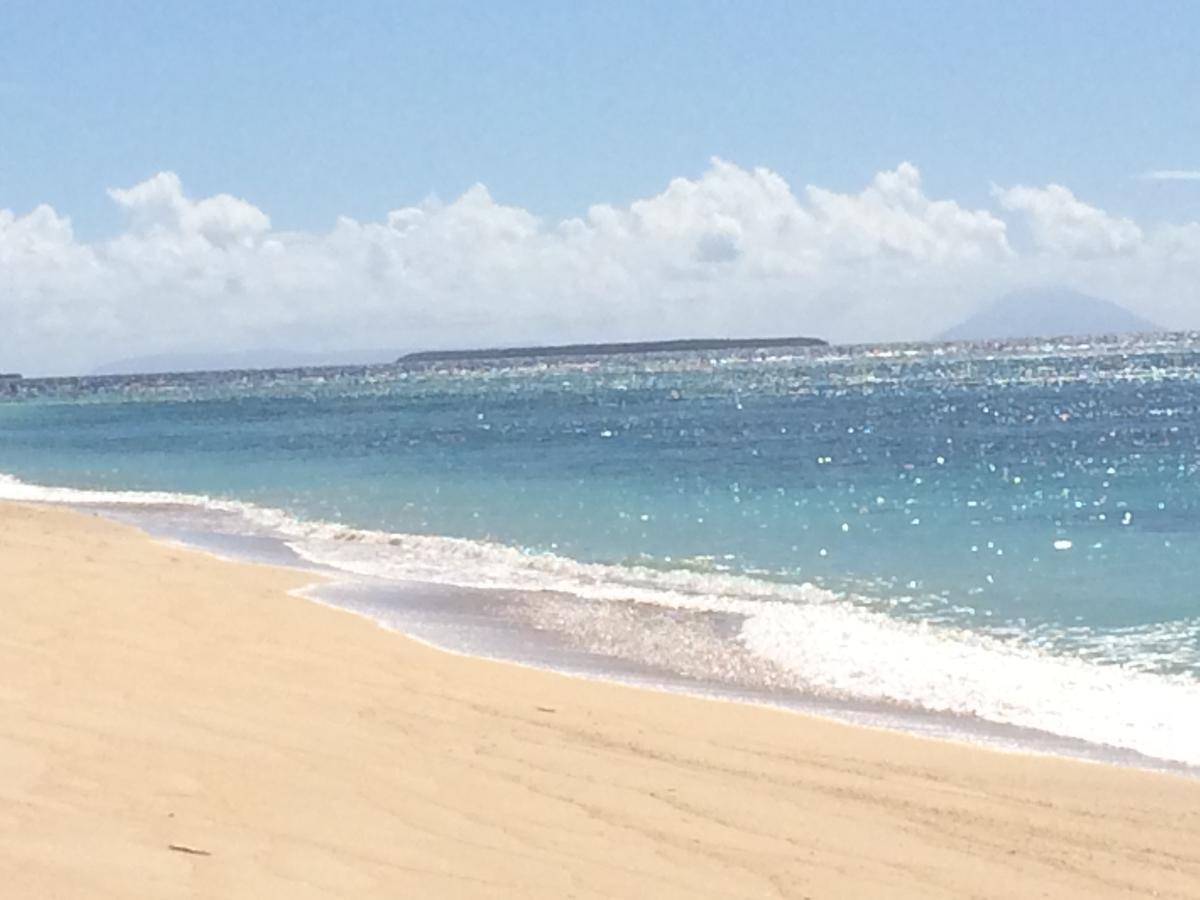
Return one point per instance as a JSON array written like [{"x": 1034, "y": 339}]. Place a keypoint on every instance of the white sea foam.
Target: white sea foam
[
  {"x": 866, "y": 655},
  {"x": 829, "y": 643}
]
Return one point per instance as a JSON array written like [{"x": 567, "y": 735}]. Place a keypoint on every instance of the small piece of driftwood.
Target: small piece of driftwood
[{"x": 182, "y": 848}]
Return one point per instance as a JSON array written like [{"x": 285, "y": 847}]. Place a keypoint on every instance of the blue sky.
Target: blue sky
[
  {"x": 184, "y": 178},
  {"x": 311, "y": 110}
]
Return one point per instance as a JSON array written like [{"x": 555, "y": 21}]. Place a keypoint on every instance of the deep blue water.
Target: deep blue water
[{"x": 1041, "y": 497}]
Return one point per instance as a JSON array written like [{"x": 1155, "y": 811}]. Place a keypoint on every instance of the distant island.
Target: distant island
[
  {"x": 262, "y": 358},
  {"x": 609, "y": 349},
  {"x": 1048, "y": 312}
]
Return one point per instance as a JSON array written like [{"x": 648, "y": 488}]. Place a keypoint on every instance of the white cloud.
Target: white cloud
[
  {"x": 1172, "y": 175},
  {"x": 158, "y": 206},
  {"x": 893, "y": 217},
  {"x": 1063, "y": 225},
  {"x": 734, "y": 251}
]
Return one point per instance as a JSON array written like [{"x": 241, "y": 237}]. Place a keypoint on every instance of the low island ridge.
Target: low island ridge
[{"x": 609, "y": 349}]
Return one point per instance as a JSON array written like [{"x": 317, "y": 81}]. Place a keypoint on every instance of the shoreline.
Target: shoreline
[
  {"x": 563, "y": 660},
  {"x": 156, "y": 695},
  {"x": 917, "y": 723},
  {"x": 391, "y": 602}
]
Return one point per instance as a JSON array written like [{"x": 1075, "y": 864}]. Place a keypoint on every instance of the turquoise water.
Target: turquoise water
[{"x": 1007, "y": 534}]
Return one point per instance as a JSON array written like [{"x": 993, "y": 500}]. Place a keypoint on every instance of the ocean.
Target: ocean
[{"x": 993, "y": 543}]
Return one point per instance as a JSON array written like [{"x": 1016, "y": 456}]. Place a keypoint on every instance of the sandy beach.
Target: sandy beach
[{"x": 174, "y": 725}]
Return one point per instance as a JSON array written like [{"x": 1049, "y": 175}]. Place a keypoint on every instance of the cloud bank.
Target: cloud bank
[{"x": 733, "y": 252}]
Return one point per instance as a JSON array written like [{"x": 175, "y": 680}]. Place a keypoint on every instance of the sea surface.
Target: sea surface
[{"x": 997, "y": 543}]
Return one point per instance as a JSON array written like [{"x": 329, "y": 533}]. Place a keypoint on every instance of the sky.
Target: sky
[{"x": 182, "y": 178}]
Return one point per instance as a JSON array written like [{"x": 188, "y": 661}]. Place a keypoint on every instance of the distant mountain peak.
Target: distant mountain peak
[{"x": 1047, "y": 312}]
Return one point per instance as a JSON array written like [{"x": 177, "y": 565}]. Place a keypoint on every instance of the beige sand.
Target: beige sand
[{"x": 152, "y": 696}]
